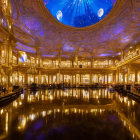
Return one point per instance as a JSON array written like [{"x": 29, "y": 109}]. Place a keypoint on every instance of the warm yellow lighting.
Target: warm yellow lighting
[
  {"x": 6, "y": 125},
  {"x": 66, "y": 111},
  {"x": 15, "y": 104},
  {"x": 1, "y": 111},
  {"x": 133, "y": 102},
  {"x": 22, "y": 122},
  {"x": 32, "y": 117},
  {"x": 43, "y": 113},
  {"x": 125, "y": 99},
  {"x": 49, "y": 112}
]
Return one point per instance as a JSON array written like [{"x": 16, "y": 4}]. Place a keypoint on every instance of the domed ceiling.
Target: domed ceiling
[
  {"x": 79, "y": 13},
  {"x": 38, "y": 31}
]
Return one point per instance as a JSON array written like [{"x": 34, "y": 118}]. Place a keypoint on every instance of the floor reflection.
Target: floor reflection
[{"x": 42, "y": 114}]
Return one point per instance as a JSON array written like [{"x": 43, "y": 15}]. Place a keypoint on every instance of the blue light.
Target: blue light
[
  {"x": 25, "y": 48},
  {"x": 67, "y": 48},
  {"x": 59, "y": 15},
  {"x": 49, "y": 55},
  {"x": 105, "y": 54},
  {"x": 79, "y": 13},
  {"x": 23, "y": 57}
]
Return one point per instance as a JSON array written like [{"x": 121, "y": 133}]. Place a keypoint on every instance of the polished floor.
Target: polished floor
[{"x": 70, "y": 114}]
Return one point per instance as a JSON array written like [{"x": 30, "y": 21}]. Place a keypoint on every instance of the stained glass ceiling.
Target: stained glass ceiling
[{"x": 79, "y": 13}]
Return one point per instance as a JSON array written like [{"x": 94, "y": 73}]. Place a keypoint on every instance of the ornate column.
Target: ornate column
[
  {"x": 6, "y": 55},
  {"x": 76, "y": 60},
  {"x": 10, "y": 54},
  {"x": 51, "y": 79},
  {"x": 75, "y": 80},
  {"x": 98, "y": 78},
  {"x": 114, "y": 77},
  {"x": 107, "y": 78},
  {"x": 63, "y": 78},
  {"x": 76, "y": 57},
  {"x": 39, "y": 77},
  {"x": 136, "y": 76},
  {"x": 118, "y": 74},
  {"x": 56, "y": 79},
  {"x": 72, "y": 63},
  {"x": 123, "y": 78},
  {"x": 128, "y": 73},
  {"x": 80, "y": 79},
  {"x": 8, "y": 72},
  {"x": 90, "y": 78},
  {"x": 26, "y": 78},
  {"x": 0, "y": 53},
  {"x": 72, "y": 80}
]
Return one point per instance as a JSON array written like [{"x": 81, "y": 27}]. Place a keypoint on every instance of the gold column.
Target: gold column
[
  {"x": 118, "y": 76},
  {"x": 17, "y": 58},
  {"x": 76, "y": 60},
  {"x": 26, "y": 78},
  {"x": 34, "y": 76},
  {"x": 60, "y": 58},
  {"x": 90, "y": 78},
  {"x": 104, "y": 78},
  {"x": 8, "y": 46},
  {"x": 0, "y": 54},
  {"x": 39, "y": 78},
  {"x": 98, "y": 78},
  {"x": 114, "y": 77},
  {"x": 123, "y": 78},
  {"x": 10, "y": 54},
  {"x": 63, "y": 78},
  {"x": 6, "y": 49},
  {"x": 72, "y": 63},
  {"x": 72, "y": 80},
  {"x": 80, "y": 79},
  {"x": 136, "y": 76},
  {"x": 8, "y": 81},
  {"x": 128, "y": 73},
  {"x": 22, "y": 79},
  {"x": 56, "y": 79},
  {"x": 1, "y": 75},
  {"x": 107, "y": 78},
  {"x": 51, "y": 79},
  {"x": 75, "y": 80}
]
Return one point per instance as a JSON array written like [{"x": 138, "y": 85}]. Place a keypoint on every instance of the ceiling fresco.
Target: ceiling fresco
[
  {"x": 79, "y": 13},
  {"x": 49, "y": 38}
]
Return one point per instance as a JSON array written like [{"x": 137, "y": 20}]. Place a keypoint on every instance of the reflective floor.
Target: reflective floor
[{"x": 70, "y": 115}]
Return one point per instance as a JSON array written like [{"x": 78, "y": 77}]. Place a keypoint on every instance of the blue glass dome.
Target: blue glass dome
[{"x": 79, "y": 13}]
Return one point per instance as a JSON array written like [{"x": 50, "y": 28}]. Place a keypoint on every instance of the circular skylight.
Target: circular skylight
[{"x": 79, "y": 13}]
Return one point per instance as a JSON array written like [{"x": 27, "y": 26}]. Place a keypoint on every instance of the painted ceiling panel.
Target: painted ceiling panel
[
  {"x": 117, "y": 31},
  {"x": 79, "y": 13}
]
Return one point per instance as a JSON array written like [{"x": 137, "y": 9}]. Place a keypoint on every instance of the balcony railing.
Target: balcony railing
[
  {"x": 129, "y": 57},
  {"x": 63, "y": 66}
]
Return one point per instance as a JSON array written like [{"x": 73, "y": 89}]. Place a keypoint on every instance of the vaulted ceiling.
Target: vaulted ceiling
[{"x": 37, "y": 31}]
